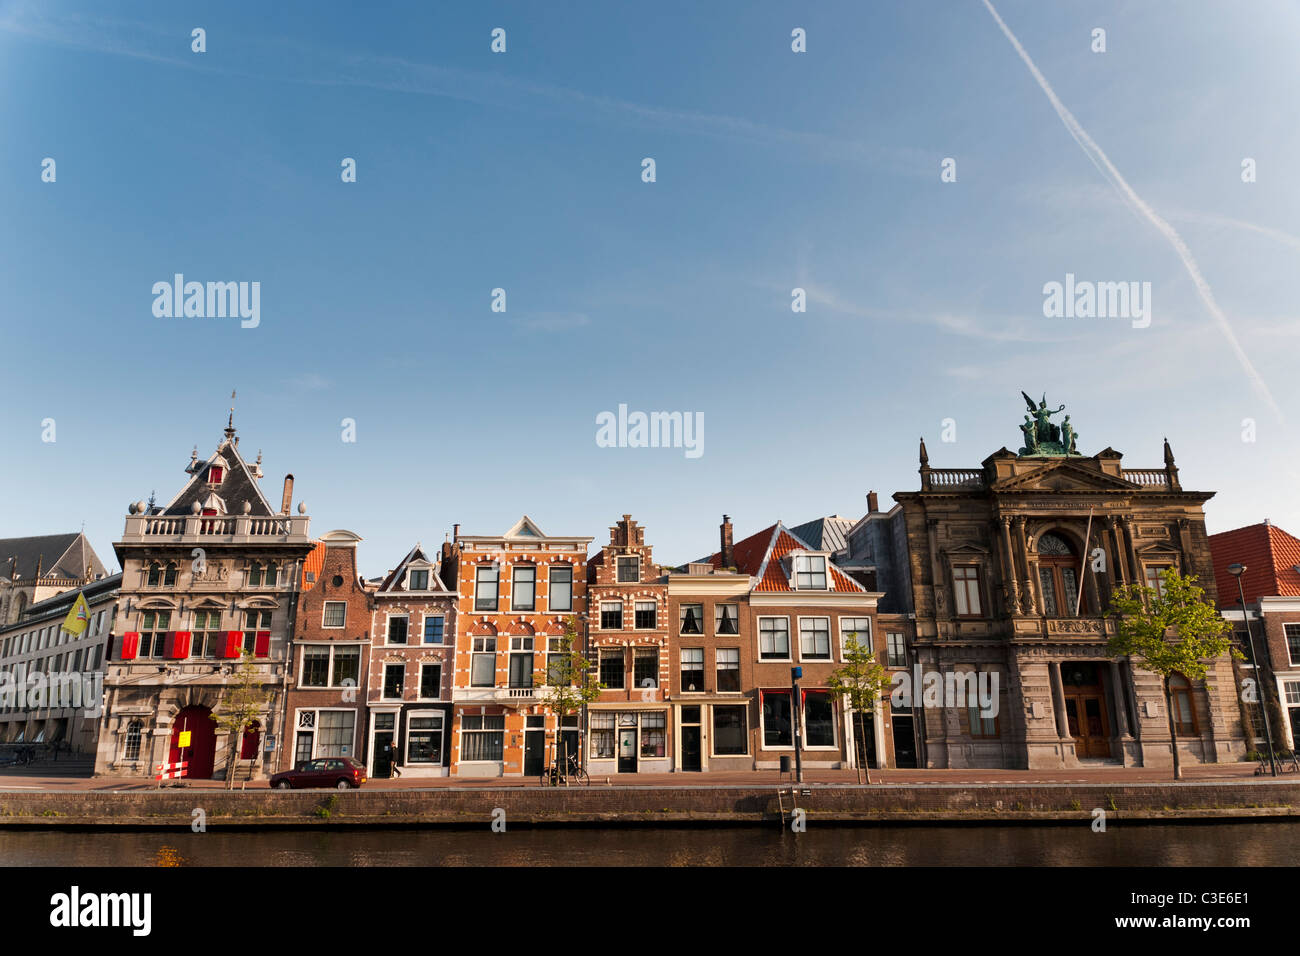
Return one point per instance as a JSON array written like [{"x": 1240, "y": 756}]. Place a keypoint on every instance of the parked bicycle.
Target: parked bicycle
[{"x": 553, "y": 777}]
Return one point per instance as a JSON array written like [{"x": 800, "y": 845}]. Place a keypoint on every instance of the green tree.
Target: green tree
[
  {"x": 240, "y": 707},
  {"x": 571, "y": 683},
  {"x": 1170, "y": 631},
  {"x": 862, "y": 680}
]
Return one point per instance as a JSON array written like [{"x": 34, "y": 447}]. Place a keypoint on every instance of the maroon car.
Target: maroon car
[{"x": 340, "y": 772}]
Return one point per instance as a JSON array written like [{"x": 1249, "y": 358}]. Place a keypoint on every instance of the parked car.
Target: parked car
[{"x": 341, "y": 772}]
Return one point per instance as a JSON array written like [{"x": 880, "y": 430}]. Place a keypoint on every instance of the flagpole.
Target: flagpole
[{"x": 1083, "y": 569}]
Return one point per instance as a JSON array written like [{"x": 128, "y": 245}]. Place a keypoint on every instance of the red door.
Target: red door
[
  {"x": 251, "y": 738},
  {"x": 203, "y": 741}
]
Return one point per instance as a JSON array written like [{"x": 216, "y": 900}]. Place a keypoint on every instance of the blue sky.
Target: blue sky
[{"x": 522, "y": 171}]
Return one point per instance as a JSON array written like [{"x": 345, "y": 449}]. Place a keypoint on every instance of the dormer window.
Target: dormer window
[
  {"x": 810, "y": 572},
  {"x": 418, "y": 581},
  {"x": 215, "y": 474}
]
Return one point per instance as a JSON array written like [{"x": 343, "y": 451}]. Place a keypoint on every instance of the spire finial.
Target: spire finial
[
  {"x": 925, "y": 458},
  {"x": 230, "y": 422}
]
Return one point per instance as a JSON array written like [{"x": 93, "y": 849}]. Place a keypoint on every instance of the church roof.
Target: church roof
[{"x": 60, "y": 556}]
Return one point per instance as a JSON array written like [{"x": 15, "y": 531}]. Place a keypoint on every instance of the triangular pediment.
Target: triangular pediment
[
  {"x": 525, "y": 527},
  {"x": 1063, "y": 476}
]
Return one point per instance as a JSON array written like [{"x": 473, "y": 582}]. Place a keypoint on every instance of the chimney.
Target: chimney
[
  {"x": 728, "y": 553},
  {"x": 873, "y": 503},
  {"x": 287, "y": 500},
  {"x": 455, "y": 533}
]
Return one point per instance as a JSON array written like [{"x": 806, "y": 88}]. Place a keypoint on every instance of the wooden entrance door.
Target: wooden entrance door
[
  {"x": 1085, "y": 708},
  {"x": 202, "y": 749}
]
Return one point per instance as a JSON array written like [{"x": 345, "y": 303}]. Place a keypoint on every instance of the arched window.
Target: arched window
[
  {"x": 255, "y": 575},
  {"x": 1058, "y": 574},
  {"x": 169, "y": 575},
  {"x": 155, "y": 574},
  {"x": 134, "y": 730},
  {"x": 272, "y": 573},
  {"x": 1180, "y": 693}
]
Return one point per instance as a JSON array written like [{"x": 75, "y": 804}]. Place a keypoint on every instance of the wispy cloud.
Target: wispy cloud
[
  {"x": 1102, "y": 162},
  {"x": 297, "y": 62}
]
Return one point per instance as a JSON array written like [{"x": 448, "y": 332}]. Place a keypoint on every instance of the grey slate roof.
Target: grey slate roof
[
  {"x": 60, "y": 556},
  {"x": 237, "y": 486},
  {"x": 825, "y": 534}
]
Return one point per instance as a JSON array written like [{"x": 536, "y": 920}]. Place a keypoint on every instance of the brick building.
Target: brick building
[
  {"x": 1271, "y": 585},
  {"x": 742, "y": 619},
  {"x": 325, "y": 695},
  {"x": 409, "y": 687},
  {"x": 999, "y": 586},
  {"x": 514, "y": 593},
  {"x": 628, "y": 640},
  {"x": 207, "y": 578}
]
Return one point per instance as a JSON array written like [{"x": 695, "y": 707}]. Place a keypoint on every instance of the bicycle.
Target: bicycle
[{"x": 552, "y": 777}]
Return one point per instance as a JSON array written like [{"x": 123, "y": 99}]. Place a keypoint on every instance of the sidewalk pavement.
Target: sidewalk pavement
[{"x": 34, "y": 779}]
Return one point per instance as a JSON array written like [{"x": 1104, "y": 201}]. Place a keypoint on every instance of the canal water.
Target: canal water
[{"x": 1237, "y": 844}]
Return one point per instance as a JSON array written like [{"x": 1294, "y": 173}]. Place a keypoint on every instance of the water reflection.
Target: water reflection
[{"x": 1256, "y": 844}]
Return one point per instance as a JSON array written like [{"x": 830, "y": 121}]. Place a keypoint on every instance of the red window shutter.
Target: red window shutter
[
  {"x": 262, "y": 644},
  {"x": 234, "y": 644},
  {"x": 130, "y": 645},
  {"x": 178, "y": 645}
]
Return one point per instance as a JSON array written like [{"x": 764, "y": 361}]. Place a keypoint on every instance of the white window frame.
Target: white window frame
[
  {"x": 618, "y": 560},
  {"x": 388, "y": 621},
  {"x": 442, "y": 730},
  {"x": 430, "y": 615},
  {"x": 869, "y": 643},
  {"x": 325, "y": 611},
  {"x": 789, "y": 645},
  {"x": 514, "y": 570},
  {"x": 496, "y": 603},
  {"x": 561, "y": 565},
  {"x": 315, "y": 733},
  {"x": 808, "y": 556},
  {"x": 830, "y": 647},
  {"x": 419, "y": 688}
]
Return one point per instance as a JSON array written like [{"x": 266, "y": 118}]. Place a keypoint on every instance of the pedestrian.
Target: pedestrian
[{"x": 392, "y": 756}]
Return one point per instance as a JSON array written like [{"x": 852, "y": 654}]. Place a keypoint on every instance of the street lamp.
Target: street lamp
[{"x": 1237, "y": 570}]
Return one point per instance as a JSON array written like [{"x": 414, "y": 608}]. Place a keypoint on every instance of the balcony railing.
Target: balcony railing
[
  {"x": 236, "y": 529},
  {"x": 956, "y": 478},
  {"x": 1147, "y": 477}
]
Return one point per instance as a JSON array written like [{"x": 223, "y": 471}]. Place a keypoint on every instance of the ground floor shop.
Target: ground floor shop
[{"x": 408, "y": 740}]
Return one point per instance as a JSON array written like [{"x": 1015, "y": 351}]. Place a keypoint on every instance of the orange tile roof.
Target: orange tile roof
[
  {"x": 1270, "y": 556},
  {"x": 763, "y": 552},
  {"x": 313, "y": 564}
]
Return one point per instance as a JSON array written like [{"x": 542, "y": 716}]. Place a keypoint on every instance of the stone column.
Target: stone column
[
  {"x": 1116, "y": 569},
  {"x": 1011, "y": 579},
  {"x": 1119, "y": 699},
  {"x": 1135, "y": 568},
  {"x": 1027, "y": 597},
  {"x": 1058, "y": 701}
]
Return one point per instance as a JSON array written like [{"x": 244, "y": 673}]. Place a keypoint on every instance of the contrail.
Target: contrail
[{"x": 1107, "y": 169}]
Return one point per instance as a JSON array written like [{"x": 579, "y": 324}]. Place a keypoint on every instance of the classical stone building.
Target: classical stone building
[
  {"x": 207, "y": 579},
  {"x": 1011, "y": 568}
]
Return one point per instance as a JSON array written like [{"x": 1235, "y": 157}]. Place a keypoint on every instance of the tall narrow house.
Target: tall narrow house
[
  {"x": 207, "y": 579},
  {"x": 515, "y": 593}
]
